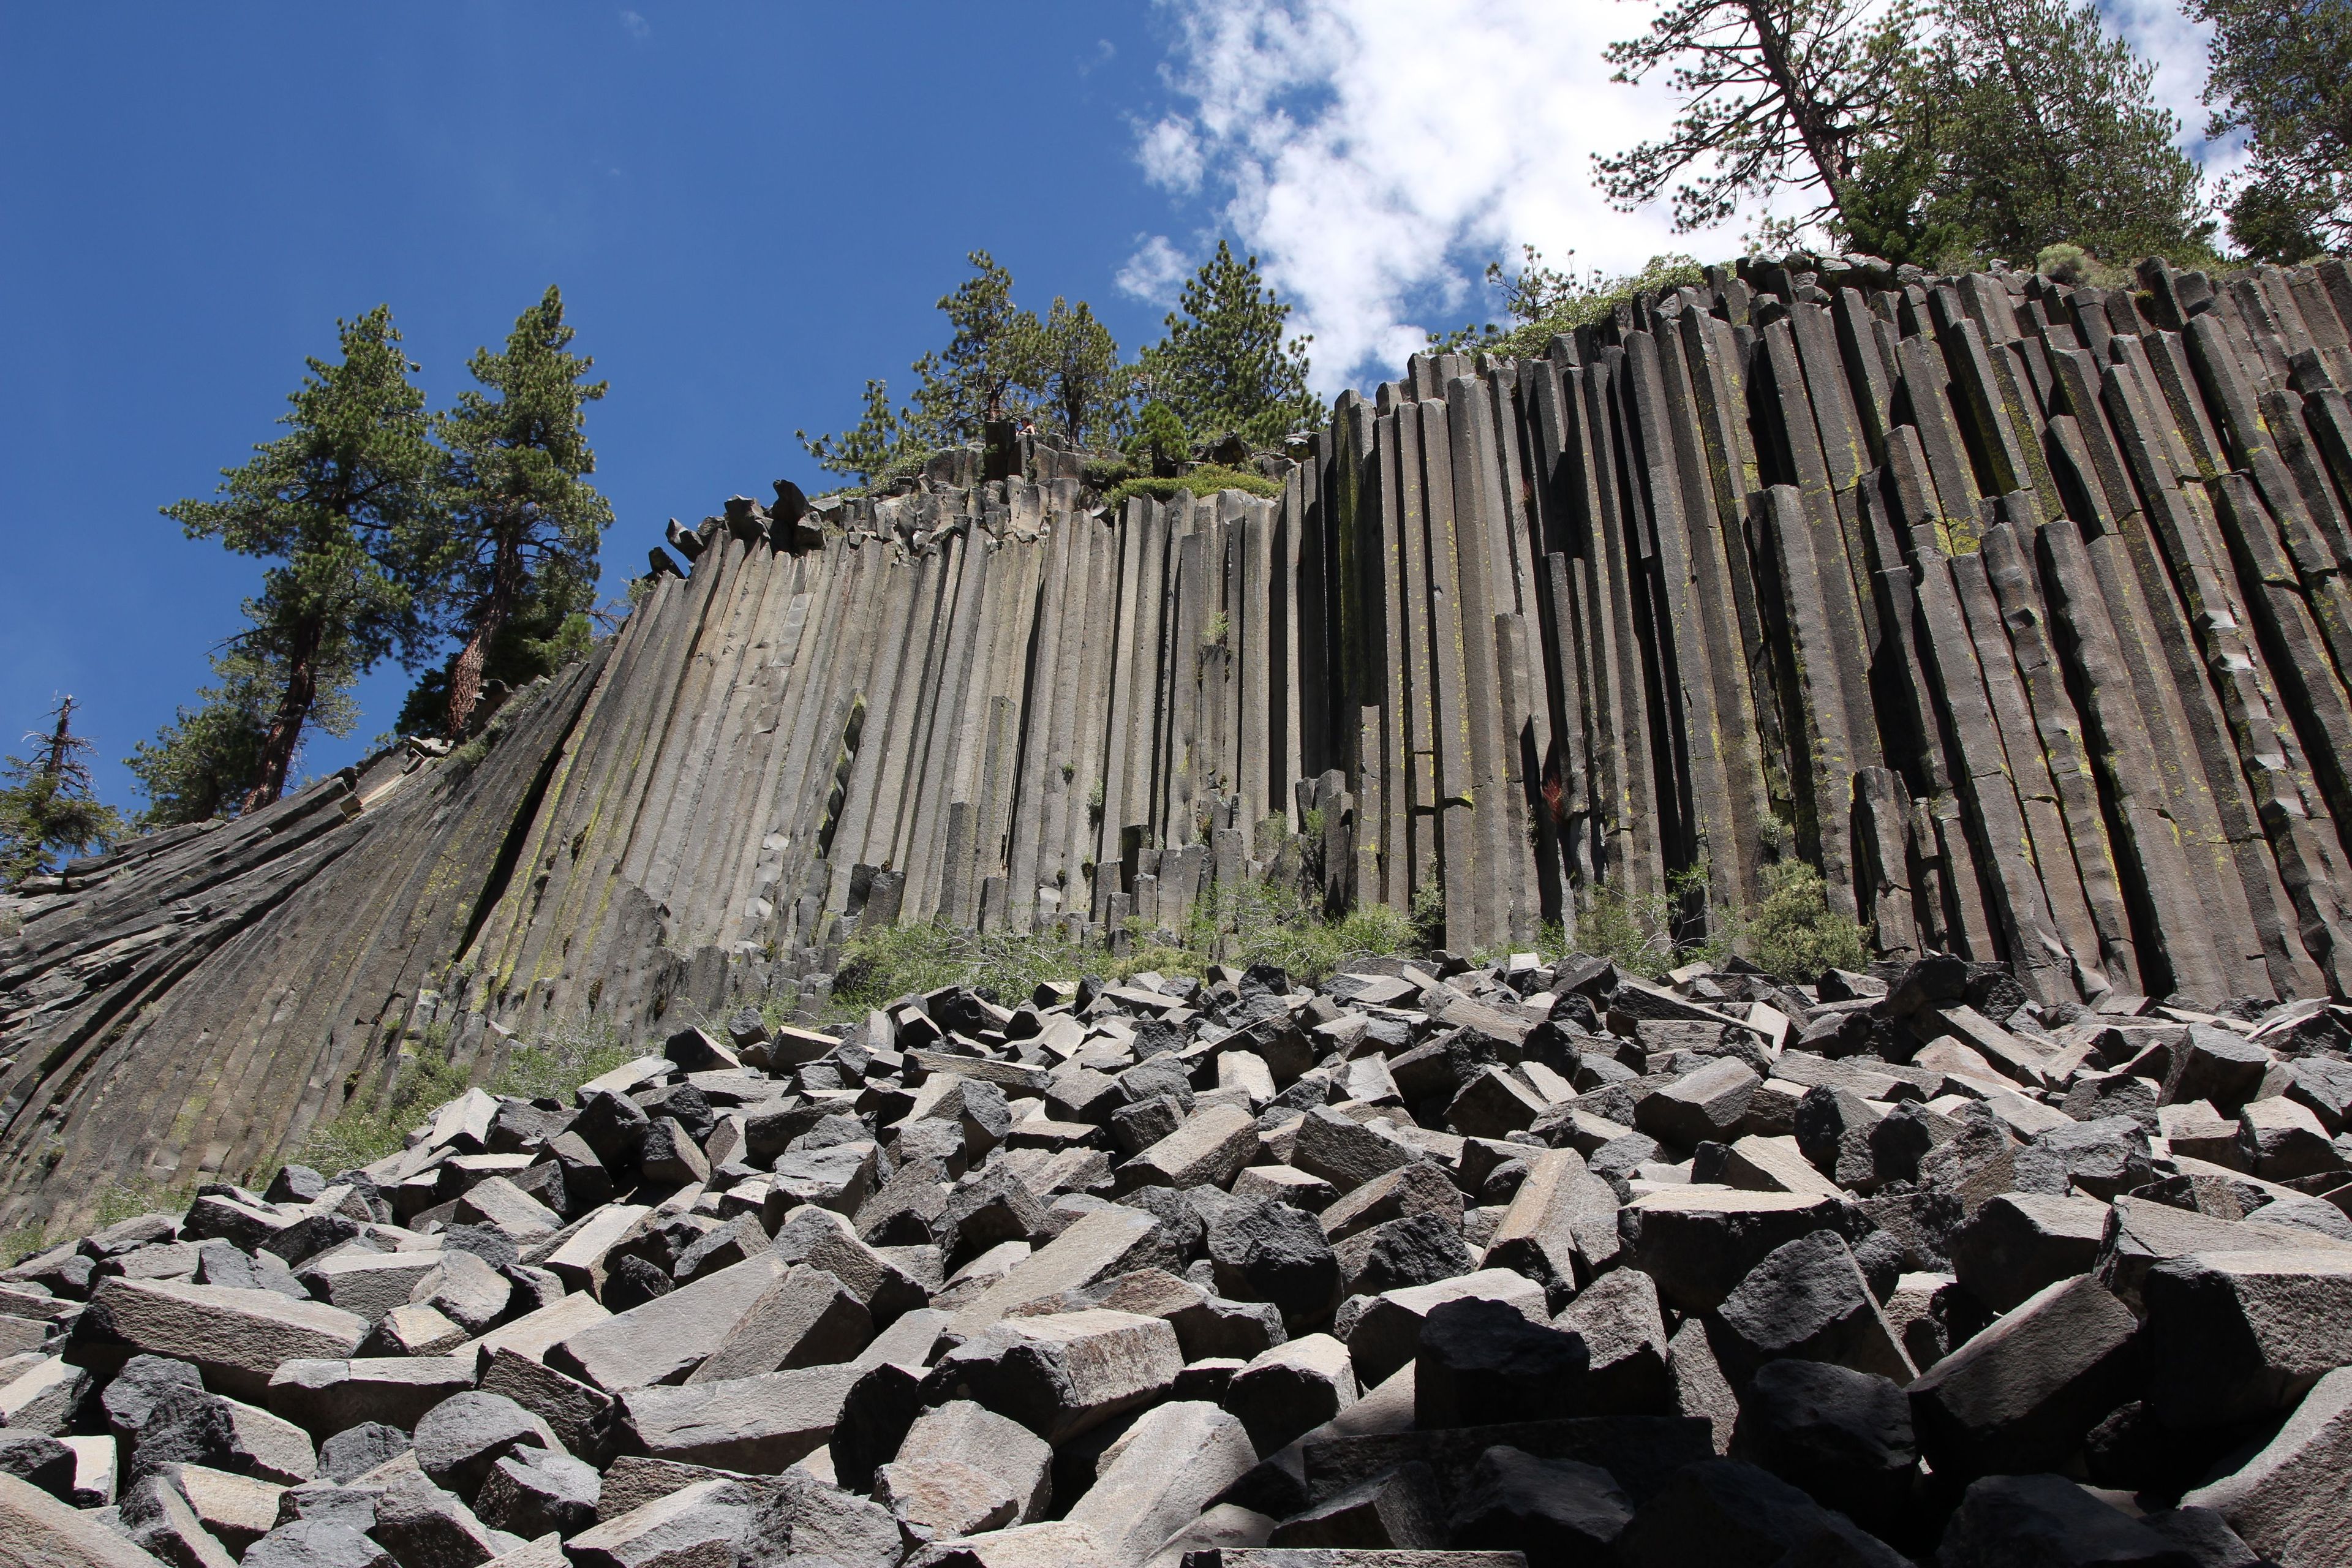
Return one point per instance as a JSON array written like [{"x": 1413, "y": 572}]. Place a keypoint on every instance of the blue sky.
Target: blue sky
[{"x": 750, "y": 209}]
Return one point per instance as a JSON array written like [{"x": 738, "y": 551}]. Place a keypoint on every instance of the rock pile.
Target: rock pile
[{"x": 1529, "y": 1263}]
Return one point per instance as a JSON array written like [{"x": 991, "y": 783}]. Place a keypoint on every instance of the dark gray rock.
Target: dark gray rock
[
  {"x": 2003, "y": 1520},
  {"x": 1482, "y": 1361},
  {"x": 460, "y": 1438},
  {"x": 1558, "y": 1512},
  {"x": 531, "y": 1491},
  {"x": 1844, "y": 1436},
  {"x": 1268, "y": 1251}
]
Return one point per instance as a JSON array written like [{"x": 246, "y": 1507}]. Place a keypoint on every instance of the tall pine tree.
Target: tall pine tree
[
  {"x": 344, "y": 506},
  {"x": 1775, "y": 95},
  {"x": 2036, "y": 128},
  {"x": 524, "y": 523},
  {"x": 47, "y": 800},
  {"x": 1225, "y": 367}
]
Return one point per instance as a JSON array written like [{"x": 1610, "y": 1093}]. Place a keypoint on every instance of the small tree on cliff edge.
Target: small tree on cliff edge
[
  {"x": 48, "y": 802},
  {"x": 344, "y": 504},
  {"x": 1223, "y": 366},
  {"x": 525, "y": 523}
]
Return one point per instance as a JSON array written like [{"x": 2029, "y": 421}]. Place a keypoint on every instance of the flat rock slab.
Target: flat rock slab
[
  {"x": 758, "y": 1424},
  {"x": 37, "y": 1531},
  {"x": 237, "y": 1338},
  {"x": 1641, "y": 1451},
  {"x": 665, "y": 1338}
]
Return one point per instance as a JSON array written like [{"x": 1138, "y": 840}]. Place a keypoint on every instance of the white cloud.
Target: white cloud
[
  {"x": 638, "y": 27},
  {"x": 2175, "y": 47},
  {"x": 1377, "y": 154},
  {"x": 1156, "y": 272},
  {"x": 1172, "y": 156}
]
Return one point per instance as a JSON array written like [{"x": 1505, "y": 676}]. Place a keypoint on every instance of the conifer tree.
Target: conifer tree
[
  {"x": 1071, "y": 362},
  {"x": 1776, "y": 95},
  {"x": 2282, "y": 75},
  {"x": 976, "y": 378},
  {"x": 344, "y": 505},
  {"x": 868, "y": 447},
  {"x": 2040, "y": 130},
  {"x": 524, "y": 521},
  {"x": 48, "y": 802},
  {"x": 205, "y": 762},
  {"x": 1225, "y": 367}
]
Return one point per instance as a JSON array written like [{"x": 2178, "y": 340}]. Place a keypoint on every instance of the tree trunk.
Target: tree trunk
[
  {"x": 1823, "y": 145},
  {"x": 285, "y": 736},
  {"x": 465, "y": 670}
]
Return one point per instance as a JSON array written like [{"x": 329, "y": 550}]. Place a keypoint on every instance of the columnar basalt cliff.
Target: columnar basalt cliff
[{"x": 2017, "y": 609}]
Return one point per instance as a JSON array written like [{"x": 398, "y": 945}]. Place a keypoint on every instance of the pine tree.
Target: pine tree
[
  {"x": 2040, "y": 129},
  {"x": 524, "y": 521},
  {"x": 205, "y": 761},
  {"x": 976, "y": 378},
  {"x": 1776, "y": 95},
  {"x": 2282, "y": 75},
  {"x": 343, "y": 504},
  {"x": 866, "y": 449},
  {"x": 1223, "y": 367},
  {"x": 48, "y": 802},
  {"x": 1071, "y": 362}
]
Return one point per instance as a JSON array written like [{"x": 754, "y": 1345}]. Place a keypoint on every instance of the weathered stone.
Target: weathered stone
[
  {"x": 1844, "y": 1436},
  {"x": 2047, "y": 1519},
  {"x": 701, "y": 1523},
  {"x": 1699, "y": 1245},
  {"x": 1290, "y": 1389},
  {"x": 1400, "y": 1510},
  {"x": 1556, "y": 1510},
  {"x": 1807, "y": 1299},
  {"x": 2288, "y": 1501},
  {"x": 804, "y": 1519},
  {"x": 1482, "y": 1361},
  {"x": 2020, "y": 1242},
  {"x": 665, "y": 1338},
  {"x": 759, "y": 1424},
  {"x": 1061, "y": 1375},
  {"x": 1385, "y": 1332},
  {"x": 2022, "y": 1394},
  {"x": 1624, "y": 1336},
  {"x": 2236, "y": 1335},
  {"x": 1016, "y": 1458},
  {"x": 805, "y": 1318},
  {"x": 324, "y": 1397},
  {"x": 37, "y": 1531},
  {"x": 237, "y": 1338},
  {"x": 1158, "y": 1475},
  {"x": 459, "y": 1439},
  {"x": 1724, "y": 1511},
  {"x": 531, "y": 1491}
]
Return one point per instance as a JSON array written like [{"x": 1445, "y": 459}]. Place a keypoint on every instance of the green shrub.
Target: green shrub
[
  {"x": 1105, "y": 473},
  {"x": 1205, "y": 480},
  {"x": 556, "y": 1064},
  {"x": 365, "y": 1132},
  {"x": 1258, "y": 923},
  {"x": 1794, "y": 935},
  {"x": 879, "y": 966},
  {"x": 134, "y": 1195},
  {"x": 21, "y": 1243},
  {"x": 1550, "y": 303},
  {"x": 1636, "y": 931}
]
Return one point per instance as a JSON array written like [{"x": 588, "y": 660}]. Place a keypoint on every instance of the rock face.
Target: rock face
[
  {"x": 1593, "y": 1346},
  {"x": 2015, "y": 608}
]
